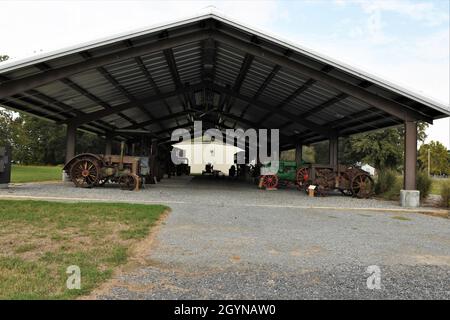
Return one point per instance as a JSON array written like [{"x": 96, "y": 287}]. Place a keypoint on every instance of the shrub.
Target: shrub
[
  {"x": 423, "y": 184},
  {"x": 386, "y": 180},
  {"x": 445, "y": 194}
]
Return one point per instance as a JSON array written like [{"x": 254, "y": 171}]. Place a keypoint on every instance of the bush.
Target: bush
[
  {"x": 423, "y": 184},
  {"x": 445, "y": 194},
  {"x": 385, "y": 182}
]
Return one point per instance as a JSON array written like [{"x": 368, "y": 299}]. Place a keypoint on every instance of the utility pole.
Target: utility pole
[{"x": 429, "y": 158}]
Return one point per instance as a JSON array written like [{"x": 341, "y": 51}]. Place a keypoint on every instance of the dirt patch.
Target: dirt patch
[
  {"x": 433, "y": 260},
  {"x": 138, "y": 257}
]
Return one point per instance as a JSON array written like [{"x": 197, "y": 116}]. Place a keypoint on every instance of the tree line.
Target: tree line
[
  {"x": 37, "y": 141},
  {"x": 382, "y": 149}
]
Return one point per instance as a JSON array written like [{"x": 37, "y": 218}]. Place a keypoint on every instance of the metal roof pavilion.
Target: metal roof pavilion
[{"x": 212, "y": 68}]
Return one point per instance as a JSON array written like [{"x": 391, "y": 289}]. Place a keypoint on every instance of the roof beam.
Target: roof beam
[
  {"x": 263, "y": 86},
  {"x": 84, "y": 92},
  {"x": 332, "y": 101},
  {"x": 246, "y": 63},
  {"x": 209, "y": 60},
  {"x": 156, "y": 120},
  {"x": 150, "y": 79},
  {"x": 395, "y": 109},
  {"x": 128, "y": 105},
  {"x": 305, "y": 86},
  {"x": 170, "y": 59},
  {"x": 16, "y": 86},
  {"x": 288, "y": 115},
  {"x": 119, "y": 87}
]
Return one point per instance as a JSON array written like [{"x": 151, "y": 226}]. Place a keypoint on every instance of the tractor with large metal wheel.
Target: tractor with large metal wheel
[
  {"x": 89, "y": 170},
  {"x": 285, "y": 176},
  {"x": 349, "y": 180}
]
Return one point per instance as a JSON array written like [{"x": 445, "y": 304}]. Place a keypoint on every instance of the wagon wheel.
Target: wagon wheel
[
  {"x": 362, "y": 185},
  {"x": 85, "y": 173},
  {"x": 270, "y": 181},
  {"x": 128, "y": 182},
  {"x": 302, "y": 176}
]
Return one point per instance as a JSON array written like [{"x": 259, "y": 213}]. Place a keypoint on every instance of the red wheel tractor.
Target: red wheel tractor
[{"x": 286, "y": 176}]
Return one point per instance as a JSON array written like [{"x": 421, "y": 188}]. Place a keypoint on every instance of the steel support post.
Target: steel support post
[
  {"x": 298, "y": 154},
  {"x": 410, "y": 155},
  {"x": 333, "y": 151},
  {"x": 108, "y": 144},
  {"x": 71, "y": 134}
]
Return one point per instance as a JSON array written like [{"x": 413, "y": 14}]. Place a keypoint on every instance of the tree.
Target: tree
[
  {"x": 36, "y": 141},
  {"x": 3, "y": 57},
  {"x": 439, "y": 157},
  {"x": 381, "y": 149}
]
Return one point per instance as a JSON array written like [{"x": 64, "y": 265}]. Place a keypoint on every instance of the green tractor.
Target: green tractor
[{"x": 286, "y": 176}]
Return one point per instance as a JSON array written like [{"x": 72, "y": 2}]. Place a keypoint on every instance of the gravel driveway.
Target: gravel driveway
[{"x": 233, "y": 241}]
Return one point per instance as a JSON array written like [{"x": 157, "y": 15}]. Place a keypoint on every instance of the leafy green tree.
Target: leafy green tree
[
  {"x": 36, "y": 141},
  {"x": 3, "y": 57},
  {"x": 439, "y": 157},
  {"x": 381, "y": 149}
]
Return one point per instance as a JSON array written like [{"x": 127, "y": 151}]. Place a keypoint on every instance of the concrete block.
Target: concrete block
[{"x": 410, "y": 198}]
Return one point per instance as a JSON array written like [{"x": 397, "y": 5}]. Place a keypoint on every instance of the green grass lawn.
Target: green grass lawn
[
  {"x": 39, "y": 240},
  {"x": 21, "y": 173},
  {"x": 436, "y": 185}
]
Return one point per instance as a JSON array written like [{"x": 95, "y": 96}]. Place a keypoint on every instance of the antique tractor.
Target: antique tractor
[
  {"x": 286, "y": 176},
  {"x": 349, "y": 180},
  {"x": 89, "y": 170}
]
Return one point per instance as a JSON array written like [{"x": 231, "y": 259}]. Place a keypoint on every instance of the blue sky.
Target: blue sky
[{"x": 404, "y": 41}]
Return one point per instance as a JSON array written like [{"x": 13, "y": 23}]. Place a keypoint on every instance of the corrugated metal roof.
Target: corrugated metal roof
[{"x": 233, "y": 86}]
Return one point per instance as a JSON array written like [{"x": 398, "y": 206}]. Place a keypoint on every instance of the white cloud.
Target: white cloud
[{"x": 425, "y": 12}]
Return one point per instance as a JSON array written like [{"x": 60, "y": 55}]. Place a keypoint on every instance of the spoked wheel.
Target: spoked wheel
[
  {"x": 128, "y": 182},
  {"x": 302, "y": 176},
  {"x": 85, "y": 173},
  {"x": 270, "y": 181},
  {"x": 362, "y": 185}
]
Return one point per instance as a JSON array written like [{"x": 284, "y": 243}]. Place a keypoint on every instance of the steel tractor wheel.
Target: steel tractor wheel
[
  {"x": 270, "y": 181},
  {"x": 362, "y": 186},
  {"x": 302, "y": 177},
  {"x": 85, "y": 173},
  {"x": 128, "y": 182}
]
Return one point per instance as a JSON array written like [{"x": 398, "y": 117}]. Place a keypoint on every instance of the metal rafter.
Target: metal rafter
[
  {"x": 150, "y": 79},
  {"x": 296, "y": 94},
  {"x": 170, "y": 59},
  {"x": 395, "y": 109},
  {"x": 332, "y": 101},
  {"x": 84, "y": 92},
  {"x": 262, "y": 87},
  {"x": 16, "y": 86},
  {"x": 93, "y": 116},
  {"x": 288, "y": 115},
  {"x": 66, "y": 109},
  {"x": 156, "y": 120},
  {"x": 245, "y": 66},
  {"x": 118, "y": 87}
]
